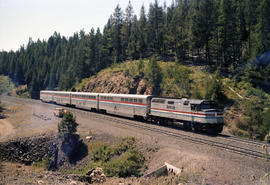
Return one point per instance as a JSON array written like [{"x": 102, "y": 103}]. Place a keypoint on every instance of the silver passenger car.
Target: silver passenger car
[
  {"x": 46, "y": 96},
  {"x": 59, "y": 97},
  {"x": 130, "y": 105},
  {"x": 85, "y": 100}
]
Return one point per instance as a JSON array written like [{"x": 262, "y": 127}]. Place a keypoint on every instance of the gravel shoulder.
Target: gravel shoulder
[{"x": 214, "y": 165}]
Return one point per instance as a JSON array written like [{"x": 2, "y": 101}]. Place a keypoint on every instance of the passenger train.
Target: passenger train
[{"x": 194, "y": 114}]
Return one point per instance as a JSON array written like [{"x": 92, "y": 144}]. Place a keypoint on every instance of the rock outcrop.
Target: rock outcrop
[
  {"x": 60, "y": 151},
  {"x": 117, "y": 82}
]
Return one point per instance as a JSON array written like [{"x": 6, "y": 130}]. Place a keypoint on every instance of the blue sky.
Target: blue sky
[{"x": 21, "y": 19}]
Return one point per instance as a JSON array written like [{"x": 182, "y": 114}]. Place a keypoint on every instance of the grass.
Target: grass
[{"x": 44, "y": 164}]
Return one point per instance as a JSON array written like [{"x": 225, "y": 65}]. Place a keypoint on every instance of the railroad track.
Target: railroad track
[
  {"x": 245, "y": 141},
  {"x": 194, "y": 138},
  {"x": 220, "y": 141}
]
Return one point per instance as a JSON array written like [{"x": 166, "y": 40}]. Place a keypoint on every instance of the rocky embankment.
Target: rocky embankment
[
  {"x": 29, "y": 149},
  {"x": 117, "y": 82}
]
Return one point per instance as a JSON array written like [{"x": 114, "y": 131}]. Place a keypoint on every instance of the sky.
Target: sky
[{"x": 39, "y": 19}]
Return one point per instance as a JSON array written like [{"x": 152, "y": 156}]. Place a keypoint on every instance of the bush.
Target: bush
[
  {"x": 176, "y": 81},
  {"x": 140, "y": 67},
  {"x": 124, "y": 145},
  {"x": 127, "y": 165},
  {"x": 153, "y": 72},
  {"x": 68, "y": 125},
  {"x": 265, "y": 128},
  {"x": 255, "y": 121},
  {"x": 103, "y": 153},
  {"x": 214, "y": 89}
]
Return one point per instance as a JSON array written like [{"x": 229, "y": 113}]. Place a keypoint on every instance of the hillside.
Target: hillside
[{"x": 246, "y": 107}]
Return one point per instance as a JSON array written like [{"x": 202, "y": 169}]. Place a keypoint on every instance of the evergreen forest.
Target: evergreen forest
[{"x": 223, "y": 34}]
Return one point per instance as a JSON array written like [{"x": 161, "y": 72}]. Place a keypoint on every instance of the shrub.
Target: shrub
[
  {"x": 214, "y": 89},
  {"x": 126, "y": 165},
  {"x": 176, "y": 81},
  {"x": 68, "y": 124},
  {"x": 153, "y": 72},
  {"x": 265, "y": 128},
  {"x": 140, "y": 67},
  {"x": 125, "y": 144},
  {"x": 103, "y": 153}
]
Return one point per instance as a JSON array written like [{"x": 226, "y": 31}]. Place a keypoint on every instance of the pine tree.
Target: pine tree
[
  {"x": 204, "y": 23},
  {"x": 117, "y": 26},
  {"x": 126, "y": 29},
  {"x": 153, "y": 74},
  {"x": 181, "y": 33},
  {"x": 142, "y": 47},
  {"x": 263, "y": 27},
  {"x": 68, "y": 125},
  {"x": 250, "y": 15},
  {"x": 133, "y": 45},
  {"x": 155, "y": 27},
  {"x": 228, "y": 33}
]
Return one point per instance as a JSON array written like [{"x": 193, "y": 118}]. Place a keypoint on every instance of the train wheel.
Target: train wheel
[
  {"x": 214, "y": 129},
  {"x": 187, "y": 126},
  {"x": 196, "y": 128}
]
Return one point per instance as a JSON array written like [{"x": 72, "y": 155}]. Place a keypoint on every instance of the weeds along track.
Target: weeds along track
[{"x": 228, "y": 143}]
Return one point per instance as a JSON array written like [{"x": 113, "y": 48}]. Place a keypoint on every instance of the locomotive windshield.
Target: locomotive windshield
[{"x": 208, "y": 105}]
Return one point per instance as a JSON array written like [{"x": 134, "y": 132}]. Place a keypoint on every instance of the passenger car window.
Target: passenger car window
[
  {"x": 186, "y": 102},
  {"x": 158, "y": 101}
]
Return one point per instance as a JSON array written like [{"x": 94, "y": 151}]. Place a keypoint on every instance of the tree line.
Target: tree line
[{"x": 222, "y": 33}]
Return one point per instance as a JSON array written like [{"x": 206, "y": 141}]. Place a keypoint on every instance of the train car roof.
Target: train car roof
[
  {"x": 84, "y": 93},
  {"x": 102, "y": 94},
  {"x": 63, "y": 92},
  {"x": 125, "y": 95},
  {"x": 191, "y": 101}
]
